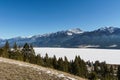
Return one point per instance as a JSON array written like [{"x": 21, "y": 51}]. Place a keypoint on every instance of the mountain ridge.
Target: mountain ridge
[
  {"x": 73, "y": 30},
  {"x": 106, "y": 37}
]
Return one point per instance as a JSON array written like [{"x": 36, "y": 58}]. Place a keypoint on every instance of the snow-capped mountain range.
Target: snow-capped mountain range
[{"x": 106, "y": 37}]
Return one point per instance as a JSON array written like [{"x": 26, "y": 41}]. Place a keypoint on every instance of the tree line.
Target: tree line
[{"x": 78, "y": 67}]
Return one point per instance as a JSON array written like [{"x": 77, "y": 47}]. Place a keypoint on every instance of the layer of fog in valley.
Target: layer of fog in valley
[{"x": 110, "y": 56}]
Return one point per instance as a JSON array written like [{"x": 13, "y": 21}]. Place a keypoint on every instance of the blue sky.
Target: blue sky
[{"x": 30, "y": 17}]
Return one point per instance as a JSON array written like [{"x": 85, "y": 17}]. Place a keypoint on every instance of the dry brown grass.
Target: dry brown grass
[{"x": 16, "y": 70}]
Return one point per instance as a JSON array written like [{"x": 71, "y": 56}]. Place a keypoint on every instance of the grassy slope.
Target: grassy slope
[{"x": 16, "y": 70}]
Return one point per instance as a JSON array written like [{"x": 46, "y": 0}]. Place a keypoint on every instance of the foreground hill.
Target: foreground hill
[{"x": 16, "y": 70}]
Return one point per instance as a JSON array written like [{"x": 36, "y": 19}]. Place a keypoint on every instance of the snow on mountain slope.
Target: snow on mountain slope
[
  {"x": 72, "y": 38},
  {"x": 108, "y": 29},
  {"x": 75, "y": 31},
  {"x": 109, "y": 55}
]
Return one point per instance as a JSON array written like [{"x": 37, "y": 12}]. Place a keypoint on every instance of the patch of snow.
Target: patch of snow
[
  {"x": 103, "y": 28},
  {"x": 114, "y": 45},
  {"x": 70, "y": 78},
  {"x": 43, "y": 35},
  {"x": 88, "y": 46},
  {"x": 21, "y": 37},
  {"x": 68, "y": 33},
  {"x": 48, "y": 72},
  {"x": 110, "y": 29},
  {"x": 60, "y": 75},
  {"x": 75, "y": 31}
]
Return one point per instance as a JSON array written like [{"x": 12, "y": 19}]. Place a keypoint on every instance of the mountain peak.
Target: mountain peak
[
  {"x": 109, "y": 29},
  {"x": 75, "y": 31}
]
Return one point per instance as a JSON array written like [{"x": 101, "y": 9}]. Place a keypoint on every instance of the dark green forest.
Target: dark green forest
[{"x": 78, "y": 67}]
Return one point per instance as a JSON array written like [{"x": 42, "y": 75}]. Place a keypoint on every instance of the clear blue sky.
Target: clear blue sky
[{"x": 30, "y": 17}]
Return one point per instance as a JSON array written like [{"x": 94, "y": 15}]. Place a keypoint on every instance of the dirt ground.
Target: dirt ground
[{"x": 16, "y": 70}]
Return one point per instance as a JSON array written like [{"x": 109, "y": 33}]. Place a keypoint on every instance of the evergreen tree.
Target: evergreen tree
[
  {"x": 76, "y": 66},
  {"x": 32, "y": 50},
  {"x": 6, "y": 49},
  {"x": 97, "y": 67},
  {"x": 60, "y": 64},
  {"x": 15, "y": 46},
  {"x": 55, "y": 64},
  {"x": 118, "y": 72},
  {"x": 111, "y": 70},
  {"x": 92, "y": 76},
  {"x": 46, "y": 61},
  {"x": 16, "y": 54},
  {"x": 79, "y": 67},
  {"x": 28, "y": 53},
  {"x": 31, "y": 58},
  {"x": 66, "y": 64},
  {"x": 19, "y": 55},
  {"x": 26, "y": 46},
  {"x": 1, "y": 52},
  {"x": 71, "y": 67},
  {"x": 84, "y": 69},
  {"x": 39, "y": 60},
  {"x": 104, "y": 69}
]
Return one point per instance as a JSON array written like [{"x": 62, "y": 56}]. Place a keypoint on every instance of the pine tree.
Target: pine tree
[
  {"x": 55, "y": 64},
  {"x": 118, "y": 73},
  {"x": 71, "y": 67},
  {"x": 26, "y": 46},
  {"x": 111, "y": 70},
  {"x": 28, "y": 53},
  {"x": 31, "y": 58},
  {"x": 84, "y": 69},
  {"x": 60, "y": 64},
  {"x": 104, "y": 69},
  {"x": 19, "y": 55},
  {"x": 79, "y": 67},
  {"x": 76, "y": 66},
  {"x": 39, "y": 60},
  {"x": 46, "y": 61},
  {"x": 1, "y": 52},
  {"x": 92, "y": 76},
  {"x": 32, "y": 50},
  {"x": 97, "y": 67},
  {"x": 66, "y": 64},
  {"x": 6, "y": 49},
  {"x": 15, "y": 46}
]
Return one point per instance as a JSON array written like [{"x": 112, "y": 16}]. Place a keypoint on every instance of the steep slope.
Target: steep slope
[{"x": 16, "y": 70}]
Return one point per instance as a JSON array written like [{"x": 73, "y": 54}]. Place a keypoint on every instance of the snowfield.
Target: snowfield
[{"x": 110, "y": 56}]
